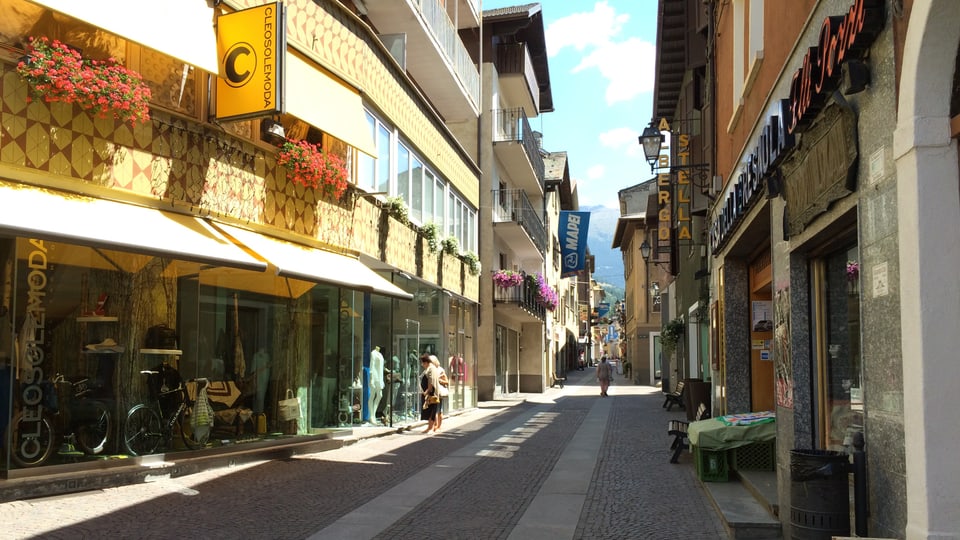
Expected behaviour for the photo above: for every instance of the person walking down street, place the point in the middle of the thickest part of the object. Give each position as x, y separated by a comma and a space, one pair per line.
604, 372
442, 391
429, 381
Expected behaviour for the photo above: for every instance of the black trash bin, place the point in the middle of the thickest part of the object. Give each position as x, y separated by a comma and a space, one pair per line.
697, 393
819, 494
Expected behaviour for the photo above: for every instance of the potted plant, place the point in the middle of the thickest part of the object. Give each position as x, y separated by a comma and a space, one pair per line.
56, 72
670, 335
310, 166
397, 207
451, 246
431, 232
473, 262
507, 278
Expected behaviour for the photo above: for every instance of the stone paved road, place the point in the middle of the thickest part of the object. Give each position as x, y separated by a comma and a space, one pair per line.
565, 464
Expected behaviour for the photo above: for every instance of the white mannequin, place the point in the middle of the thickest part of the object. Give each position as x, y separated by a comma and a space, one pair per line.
376, 382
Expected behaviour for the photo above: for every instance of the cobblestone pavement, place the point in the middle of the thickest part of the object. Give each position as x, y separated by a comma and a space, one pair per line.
564, 464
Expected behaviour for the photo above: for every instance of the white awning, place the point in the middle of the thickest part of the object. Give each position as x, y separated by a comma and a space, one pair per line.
326, 104
182, 29
316, 265
54, 215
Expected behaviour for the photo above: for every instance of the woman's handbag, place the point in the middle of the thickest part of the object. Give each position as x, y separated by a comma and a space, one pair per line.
289, 408
432, 399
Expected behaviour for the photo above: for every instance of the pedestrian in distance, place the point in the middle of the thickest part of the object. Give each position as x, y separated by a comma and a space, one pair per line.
429, 381
442, 391
604, 373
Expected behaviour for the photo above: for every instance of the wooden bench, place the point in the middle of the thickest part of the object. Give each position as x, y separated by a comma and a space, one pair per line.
674, 398
558, 381
678, 429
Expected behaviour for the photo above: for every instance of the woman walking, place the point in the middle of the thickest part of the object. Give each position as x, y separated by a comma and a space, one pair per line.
604, 372
429, 381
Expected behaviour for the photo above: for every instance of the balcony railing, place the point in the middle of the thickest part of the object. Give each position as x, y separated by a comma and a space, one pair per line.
512, 205
514, 59
446, 35
512, 125
523, 296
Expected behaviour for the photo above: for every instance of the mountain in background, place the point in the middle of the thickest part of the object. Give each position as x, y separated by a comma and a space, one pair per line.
608, 268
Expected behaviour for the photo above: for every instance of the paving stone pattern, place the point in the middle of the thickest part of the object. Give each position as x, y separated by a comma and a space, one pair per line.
634, 493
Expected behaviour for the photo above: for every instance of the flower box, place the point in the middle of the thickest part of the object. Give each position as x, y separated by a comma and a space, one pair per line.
507, 278
56, 72
310, 166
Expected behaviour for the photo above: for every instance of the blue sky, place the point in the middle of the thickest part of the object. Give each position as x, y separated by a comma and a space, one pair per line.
601, 57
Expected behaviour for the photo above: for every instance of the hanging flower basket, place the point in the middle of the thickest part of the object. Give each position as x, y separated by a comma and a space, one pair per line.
56, 72
507, 278
546, 295
310, 166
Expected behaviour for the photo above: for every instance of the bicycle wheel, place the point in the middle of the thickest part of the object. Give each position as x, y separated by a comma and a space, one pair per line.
142, 431
32, 441
92, 435
193, 438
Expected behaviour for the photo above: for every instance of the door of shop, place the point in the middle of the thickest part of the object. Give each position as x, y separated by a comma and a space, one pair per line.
761, 334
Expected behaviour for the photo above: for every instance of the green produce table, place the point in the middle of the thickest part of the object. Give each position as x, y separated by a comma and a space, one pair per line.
714, 434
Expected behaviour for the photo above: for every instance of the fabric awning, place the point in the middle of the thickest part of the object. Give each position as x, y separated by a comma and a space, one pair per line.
327, 105
316, 265
54, 215
182, 29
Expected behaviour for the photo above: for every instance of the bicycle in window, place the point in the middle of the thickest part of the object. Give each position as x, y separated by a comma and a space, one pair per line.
164, 415
73, 419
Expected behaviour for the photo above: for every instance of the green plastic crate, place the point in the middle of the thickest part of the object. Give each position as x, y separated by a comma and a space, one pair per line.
761, 456
712, 465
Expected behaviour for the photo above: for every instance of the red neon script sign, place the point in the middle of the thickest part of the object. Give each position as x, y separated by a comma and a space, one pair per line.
841, 38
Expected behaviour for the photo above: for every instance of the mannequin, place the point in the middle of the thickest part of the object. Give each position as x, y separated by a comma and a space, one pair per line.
376, 383
261, 366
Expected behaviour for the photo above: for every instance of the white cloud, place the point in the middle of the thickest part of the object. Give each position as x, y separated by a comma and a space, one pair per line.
586, 29
622, 138
596, 172
627, 64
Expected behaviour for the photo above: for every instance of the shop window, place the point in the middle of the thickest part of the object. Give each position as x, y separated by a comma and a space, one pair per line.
839, 364
94, 329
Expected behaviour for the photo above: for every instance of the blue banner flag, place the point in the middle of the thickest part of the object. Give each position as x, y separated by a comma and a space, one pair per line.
573, 241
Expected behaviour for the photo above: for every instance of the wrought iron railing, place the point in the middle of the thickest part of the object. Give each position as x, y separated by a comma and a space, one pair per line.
524, 295
513, 205
512, 125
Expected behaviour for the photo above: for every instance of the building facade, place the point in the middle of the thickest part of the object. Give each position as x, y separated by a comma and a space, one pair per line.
513, 340
643, 278
154, 264
829, 266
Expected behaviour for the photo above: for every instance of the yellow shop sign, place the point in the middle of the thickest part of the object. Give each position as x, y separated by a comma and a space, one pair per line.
251, 45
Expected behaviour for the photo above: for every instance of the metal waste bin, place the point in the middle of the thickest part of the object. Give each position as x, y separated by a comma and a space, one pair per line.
819, 494
697, 393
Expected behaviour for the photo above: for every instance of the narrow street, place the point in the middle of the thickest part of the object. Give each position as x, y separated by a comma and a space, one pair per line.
564, 464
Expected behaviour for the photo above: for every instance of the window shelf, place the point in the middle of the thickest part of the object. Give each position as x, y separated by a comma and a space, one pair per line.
167, 352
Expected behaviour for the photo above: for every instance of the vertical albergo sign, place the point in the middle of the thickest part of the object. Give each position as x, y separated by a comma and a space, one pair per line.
251, 45
573, 241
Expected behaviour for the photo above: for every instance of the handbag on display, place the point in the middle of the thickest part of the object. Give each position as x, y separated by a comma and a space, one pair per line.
289, 408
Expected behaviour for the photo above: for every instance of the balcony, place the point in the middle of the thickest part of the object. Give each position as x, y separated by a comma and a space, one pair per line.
519, 302
517, 149
518, 224
518, 80
432, 42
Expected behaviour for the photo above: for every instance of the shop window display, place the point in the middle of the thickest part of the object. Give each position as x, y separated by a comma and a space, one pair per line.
90, 334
